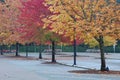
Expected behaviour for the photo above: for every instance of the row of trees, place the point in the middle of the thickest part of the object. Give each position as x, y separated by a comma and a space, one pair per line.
94, 22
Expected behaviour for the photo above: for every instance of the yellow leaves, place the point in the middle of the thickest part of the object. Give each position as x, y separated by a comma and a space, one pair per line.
49, 2
3, 34
91, 18
64, 18
88, 39
56, 7
55, 10
54, 17
47, 22
58, 27
109, 40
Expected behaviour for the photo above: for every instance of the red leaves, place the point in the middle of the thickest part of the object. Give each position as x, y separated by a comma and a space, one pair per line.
32, 13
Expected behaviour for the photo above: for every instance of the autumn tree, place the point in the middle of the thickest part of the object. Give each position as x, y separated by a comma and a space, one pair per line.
29, 19
32, 13
4, 32
93, 19
9, 22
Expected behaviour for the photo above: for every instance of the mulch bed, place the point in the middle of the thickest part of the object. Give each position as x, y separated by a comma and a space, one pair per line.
94, 72
49, 62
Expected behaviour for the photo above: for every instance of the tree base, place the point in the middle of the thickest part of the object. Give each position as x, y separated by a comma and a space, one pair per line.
105, 69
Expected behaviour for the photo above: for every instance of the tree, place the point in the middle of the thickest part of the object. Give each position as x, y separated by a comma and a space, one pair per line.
92, 18
32, 13
29, 19
9, 22
4, 31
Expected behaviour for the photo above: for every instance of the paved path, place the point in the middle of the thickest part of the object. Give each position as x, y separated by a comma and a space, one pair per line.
87, 60
12, 69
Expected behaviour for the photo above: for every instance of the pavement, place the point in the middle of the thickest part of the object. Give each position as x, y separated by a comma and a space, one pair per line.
84, 60
18, 69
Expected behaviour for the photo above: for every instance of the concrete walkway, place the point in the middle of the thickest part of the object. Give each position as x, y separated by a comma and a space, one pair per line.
17, 69
85, 60
10, 71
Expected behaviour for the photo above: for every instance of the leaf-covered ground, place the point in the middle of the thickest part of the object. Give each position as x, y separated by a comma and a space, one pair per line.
95, 72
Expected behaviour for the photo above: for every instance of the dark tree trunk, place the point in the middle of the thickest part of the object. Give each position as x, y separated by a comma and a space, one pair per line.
101, 45
40, 52
75, 52
53, 51
1, 49
26, 46
17, 49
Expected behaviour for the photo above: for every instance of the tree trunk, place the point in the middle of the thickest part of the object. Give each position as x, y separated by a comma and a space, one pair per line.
17, 49
40, 52
75, 52
26, 45
53, 51
1, 49
101, 45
